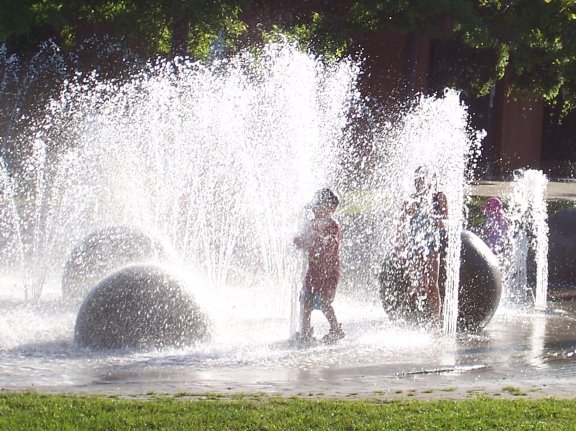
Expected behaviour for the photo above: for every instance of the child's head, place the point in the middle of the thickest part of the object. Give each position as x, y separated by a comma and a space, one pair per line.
325, 202
422, 179
492, 206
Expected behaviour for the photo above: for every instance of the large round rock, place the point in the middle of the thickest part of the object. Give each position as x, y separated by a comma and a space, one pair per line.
104, 251
140, 307
562, 250
479, 290
480, 287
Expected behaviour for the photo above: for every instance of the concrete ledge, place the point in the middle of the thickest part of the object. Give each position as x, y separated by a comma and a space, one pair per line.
564, 190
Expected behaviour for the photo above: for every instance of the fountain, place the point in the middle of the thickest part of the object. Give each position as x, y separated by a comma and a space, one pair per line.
218, 160
526, 262
443, 144
215, 159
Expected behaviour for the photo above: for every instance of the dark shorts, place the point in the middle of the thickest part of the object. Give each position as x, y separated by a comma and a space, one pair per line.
316, 300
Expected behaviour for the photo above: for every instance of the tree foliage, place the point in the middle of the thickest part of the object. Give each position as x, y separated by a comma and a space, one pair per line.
145, 26
532, 42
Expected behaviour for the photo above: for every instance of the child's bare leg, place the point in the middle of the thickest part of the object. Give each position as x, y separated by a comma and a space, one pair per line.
431, 285
336, 333
306, 318
417, 280
331, 316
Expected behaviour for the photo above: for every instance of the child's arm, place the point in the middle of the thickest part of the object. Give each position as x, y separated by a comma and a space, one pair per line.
441, 209
303, 240
332, 245
299, 241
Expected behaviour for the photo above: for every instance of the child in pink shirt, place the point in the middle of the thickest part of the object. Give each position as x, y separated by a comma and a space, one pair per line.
495, 228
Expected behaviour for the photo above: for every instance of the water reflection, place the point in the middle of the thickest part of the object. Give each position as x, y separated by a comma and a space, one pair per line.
535, 356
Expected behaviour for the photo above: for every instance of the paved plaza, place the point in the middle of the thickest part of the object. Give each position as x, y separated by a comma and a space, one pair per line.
557, 190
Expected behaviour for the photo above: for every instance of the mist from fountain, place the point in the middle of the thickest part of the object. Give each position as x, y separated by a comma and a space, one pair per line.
433, 134
219, 159
526, 263
213, 158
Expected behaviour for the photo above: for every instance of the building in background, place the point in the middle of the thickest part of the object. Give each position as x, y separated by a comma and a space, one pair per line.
520, 130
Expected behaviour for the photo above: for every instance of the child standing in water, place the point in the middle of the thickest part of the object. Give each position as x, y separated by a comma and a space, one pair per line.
424, 213
321, 241
495, 227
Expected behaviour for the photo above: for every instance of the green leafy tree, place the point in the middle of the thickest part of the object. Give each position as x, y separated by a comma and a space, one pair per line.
15, 18
146, 26
532, 42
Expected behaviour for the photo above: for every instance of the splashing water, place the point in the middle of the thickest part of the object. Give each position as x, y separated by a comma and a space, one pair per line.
219, 160
527, 260
432, 134
216, 158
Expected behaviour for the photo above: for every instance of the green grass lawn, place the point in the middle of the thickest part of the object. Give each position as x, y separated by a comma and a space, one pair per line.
28, 411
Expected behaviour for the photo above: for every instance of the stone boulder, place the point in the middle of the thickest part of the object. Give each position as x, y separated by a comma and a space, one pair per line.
480, 287
104, 251
140, 307
479, 290
562, 250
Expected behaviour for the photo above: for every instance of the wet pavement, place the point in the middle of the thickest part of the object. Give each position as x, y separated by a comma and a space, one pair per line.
521, 353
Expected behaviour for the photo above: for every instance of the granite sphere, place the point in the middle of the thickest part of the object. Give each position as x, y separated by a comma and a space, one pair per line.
140, 307
562, 250
104, 251
479, 289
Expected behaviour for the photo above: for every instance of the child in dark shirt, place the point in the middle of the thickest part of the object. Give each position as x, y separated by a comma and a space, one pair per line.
425, 213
